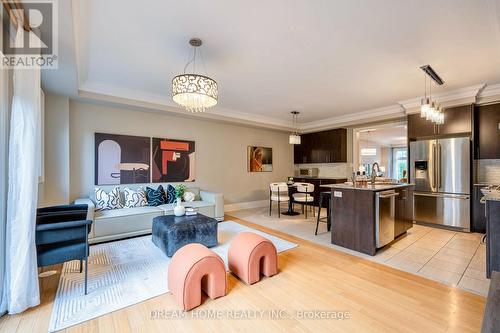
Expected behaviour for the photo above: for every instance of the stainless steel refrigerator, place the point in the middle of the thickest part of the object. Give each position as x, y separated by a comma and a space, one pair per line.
440, 170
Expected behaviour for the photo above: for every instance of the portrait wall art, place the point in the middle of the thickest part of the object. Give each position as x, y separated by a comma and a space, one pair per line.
260, 159
121, 159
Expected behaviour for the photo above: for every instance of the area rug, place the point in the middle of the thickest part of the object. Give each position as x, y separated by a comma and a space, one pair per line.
124, 273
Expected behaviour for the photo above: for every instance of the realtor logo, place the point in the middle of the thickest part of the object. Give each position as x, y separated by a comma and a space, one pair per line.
31, 38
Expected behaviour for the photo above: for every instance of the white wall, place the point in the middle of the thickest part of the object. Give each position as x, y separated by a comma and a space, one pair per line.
56, 188
221, 148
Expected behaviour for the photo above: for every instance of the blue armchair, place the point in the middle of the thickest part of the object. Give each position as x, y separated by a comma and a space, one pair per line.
62, 235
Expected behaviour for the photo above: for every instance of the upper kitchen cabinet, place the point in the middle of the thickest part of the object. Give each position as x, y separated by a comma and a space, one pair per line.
457, 120
419, 127
322, 147
487, 132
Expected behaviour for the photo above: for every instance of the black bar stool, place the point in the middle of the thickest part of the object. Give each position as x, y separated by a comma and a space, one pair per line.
327, 195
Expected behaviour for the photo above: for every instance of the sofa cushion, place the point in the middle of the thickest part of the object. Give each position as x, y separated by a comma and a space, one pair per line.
125, 221
155, 197
135, 198
106, 214
106, 201
170, 194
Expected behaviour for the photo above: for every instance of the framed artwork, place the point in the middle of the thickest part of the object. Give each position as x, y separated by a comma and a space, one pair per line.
121, 159
260, 159
173, 160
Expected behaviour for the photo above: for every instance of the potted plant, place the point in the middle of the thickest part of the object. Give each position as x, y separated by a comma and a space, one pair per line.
179, 210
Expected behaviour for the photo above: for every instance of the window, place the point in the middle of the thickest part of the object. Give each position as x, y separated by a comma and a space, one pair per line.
400, 162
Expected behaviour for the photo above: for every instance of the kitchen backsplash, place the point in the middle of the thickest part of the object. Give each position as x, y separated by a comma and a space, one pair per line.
487, 171
342, 170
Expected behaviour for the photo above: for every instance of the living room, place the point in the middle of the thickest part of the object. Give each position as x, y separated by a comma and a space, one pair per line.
214, 174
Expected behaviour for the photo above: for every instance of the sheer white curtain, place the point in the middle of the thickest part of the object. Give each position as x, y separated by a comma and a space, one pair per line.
4, 130
21, 274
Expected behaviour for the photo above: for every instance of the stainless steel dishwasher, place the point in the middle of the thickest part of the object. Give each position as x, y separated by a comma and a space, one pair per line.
385, 210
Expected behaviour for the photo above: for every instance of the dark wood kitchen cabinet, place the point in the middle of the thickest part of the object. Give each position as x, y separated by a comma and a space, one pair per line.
403, 210
457, 120
492, 237
478, 223
419, 127
487, 132
322, 147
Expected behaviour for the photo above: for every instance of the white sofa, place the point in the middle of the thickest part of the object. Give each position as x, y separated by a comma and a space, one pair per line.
127, 222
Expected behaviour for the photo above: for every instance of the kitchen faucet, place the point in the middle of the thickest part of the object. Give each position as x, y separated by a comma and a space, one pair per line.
374, 174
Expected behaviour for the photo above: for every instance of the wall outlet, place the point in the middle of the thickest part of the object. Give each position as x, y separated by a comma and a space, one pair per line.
337, 194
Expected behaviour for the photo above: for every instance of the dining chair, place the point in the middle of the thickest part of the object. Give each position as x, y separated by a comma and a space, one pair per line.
304, 196
278, 192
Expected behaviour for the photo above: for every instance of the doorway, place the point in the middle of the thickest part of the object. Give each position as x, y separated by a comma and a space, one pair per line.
385, 144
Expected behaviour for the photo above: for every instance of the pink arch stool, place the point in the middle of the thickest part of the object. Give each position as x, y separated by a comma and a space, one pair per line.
251, 254
195, 268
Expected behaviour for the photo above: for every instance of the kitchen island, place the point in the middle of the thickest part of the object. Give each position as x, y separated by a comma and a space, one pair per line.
365, 218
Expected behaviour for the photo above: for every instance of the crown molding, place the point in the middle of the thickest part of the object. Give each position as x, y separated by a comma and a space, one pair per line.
489, 94
373, 115
152, 102
451, 98
480, 94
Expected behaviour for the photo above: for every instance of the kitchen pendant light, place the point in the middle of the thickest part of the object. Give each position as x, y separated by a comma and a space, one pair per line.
194, 92
430, 109
425, 103
294, 138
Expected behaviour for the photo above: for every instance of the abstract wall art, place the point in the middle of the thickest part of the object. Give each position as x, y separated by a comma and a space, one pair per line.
260, 159
173, 160
121, 159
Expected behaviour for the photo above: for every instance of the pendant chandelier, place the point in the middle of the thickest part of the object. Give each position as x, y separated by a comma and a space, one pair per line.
194, 92
430, 109
294, 138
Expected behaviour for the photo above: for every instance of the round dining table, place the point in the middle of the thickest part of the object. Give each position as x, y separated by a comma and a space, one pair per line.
292, 188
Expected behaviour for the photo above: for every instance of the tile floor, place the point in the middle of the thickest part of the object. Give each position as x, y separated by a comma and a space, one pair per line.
453, 258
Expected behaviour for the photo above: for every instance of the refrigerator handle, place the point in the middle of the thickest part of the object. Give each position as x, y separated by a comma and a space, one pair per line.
434, 167
439, 168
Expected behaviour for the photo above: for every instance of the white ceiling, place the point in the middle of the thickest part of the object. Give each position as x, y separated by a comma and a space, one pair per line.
325, 58
393, 135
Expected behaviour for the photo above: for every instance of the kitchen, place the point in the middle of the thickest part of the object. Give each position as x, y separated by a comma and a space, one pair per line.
445, 168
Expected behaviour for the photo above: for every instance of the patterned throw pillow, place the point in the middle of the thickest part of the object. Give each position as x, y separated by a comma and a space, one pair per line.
107, 201
155, 197
135, 198
170, 194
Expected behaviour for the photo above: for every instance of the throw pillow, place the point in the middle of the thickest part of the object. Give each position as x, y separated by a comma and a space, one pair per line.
135, 198
189, 196
107, 201
155, 197
170, 194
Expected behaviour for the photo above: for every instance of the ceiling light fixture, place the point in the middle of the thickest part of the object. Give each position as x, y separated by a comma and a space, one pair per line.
194, 92
294, 138
430, 109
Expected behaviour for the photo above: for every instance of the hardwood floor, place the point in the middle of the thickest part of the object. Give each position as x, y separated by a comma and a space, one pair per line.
377, 298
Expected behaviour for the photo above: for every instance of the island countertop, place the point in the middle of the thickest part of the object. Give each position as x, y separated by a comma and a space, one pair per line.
369, 187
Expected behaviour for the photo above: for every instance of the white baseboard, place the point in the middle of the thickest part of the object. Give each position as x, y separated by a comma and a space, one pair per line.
245, 205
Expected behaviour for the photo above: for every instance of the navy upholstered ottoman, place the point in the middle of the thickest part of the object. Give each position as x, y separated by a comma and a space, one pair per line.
170, 232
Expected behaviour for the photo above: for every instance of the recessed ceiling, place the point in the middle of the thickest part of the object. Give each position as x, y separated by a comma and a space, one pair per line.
324, 58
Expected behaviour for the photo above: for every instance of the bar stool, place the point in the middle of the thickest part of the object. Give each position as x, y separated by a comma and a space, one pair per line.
322, 196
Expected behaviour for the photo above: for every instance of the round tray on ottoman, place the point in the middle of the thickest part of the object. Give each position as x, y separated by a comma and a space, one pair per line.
170, 232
